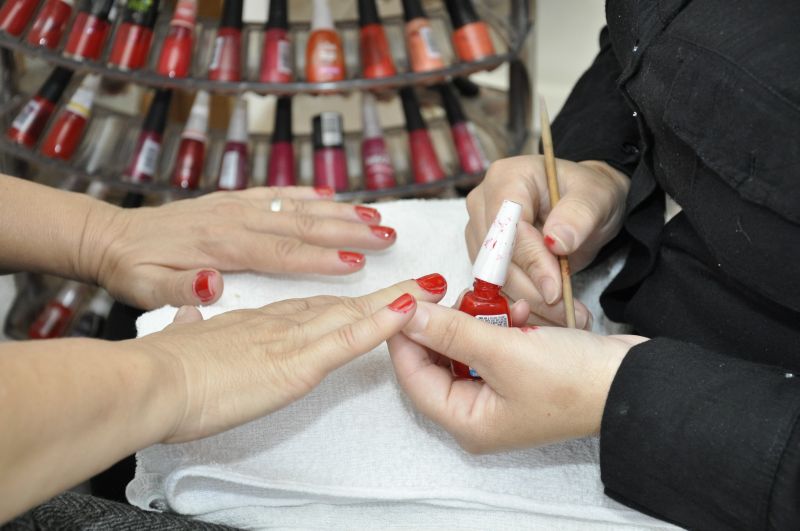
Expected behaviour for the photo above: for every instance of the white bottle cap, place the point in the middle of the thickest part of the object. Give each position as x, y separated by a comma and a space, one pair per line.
237, 127
101, 303
197, 124
371, 125
321, 17
493, 259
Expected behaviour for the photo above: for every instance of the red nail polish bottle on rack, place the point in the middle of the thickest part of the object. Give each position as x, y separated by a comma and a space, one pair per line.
90, 29
54, 318
423, 53
484, 301
471, 38
330, 159
64, 137
191, 156
144, 163
31, 120
470, 152
424, 163
233, 173
276, 57
375, 161
134, 35
226, 60
324, 53
376, 56
175, 60
15, 15
48, 28
280, 168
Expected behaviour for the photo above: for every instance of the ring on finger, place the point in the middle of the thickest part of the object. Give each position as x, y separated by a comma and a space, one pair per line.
276, 204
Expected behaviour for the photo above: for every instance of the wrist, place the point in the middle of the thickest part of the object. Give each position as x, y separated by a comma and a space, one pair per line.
604, 368
102, 226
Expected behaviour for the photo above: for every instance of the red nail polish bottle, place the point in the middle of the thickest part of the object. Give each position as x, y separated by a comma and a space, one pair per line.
144, 163
226, 61
67, 132
50, 23
424, 163
280, 167
470, 152
324, 53
89, 30
31, 120
15, 14
376, 56
134, 35
91, 323
57, 314
233, 173
375, 161
189, 162
330, 160
176, 53
423, 53
471, 38
490, 270
276, 57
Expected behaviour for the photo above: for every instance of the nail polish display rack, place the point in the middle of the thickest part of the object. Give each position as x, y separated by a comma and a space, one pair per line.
502, 117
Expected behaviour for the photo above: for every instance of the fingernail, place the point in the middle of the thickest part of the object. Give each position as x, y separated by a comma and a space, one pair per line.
180, 313
351, 259
560, 239
370, 215
403, 304
549, 290
584, 320
384, 233
433, 283
202, 286
324, 191
528, 329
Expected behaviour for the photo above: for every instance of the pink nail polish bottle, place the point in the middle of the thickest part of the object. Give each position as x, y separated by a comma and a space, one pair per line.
191, 157
144, 163
233, 173
276, 57
424, 163
484, 301
471, 155
280, 168
226, 60
375, 161
330, 160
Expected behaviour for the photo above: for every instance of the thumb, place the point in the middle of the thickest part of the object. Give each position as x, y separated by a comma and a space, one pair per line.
192, 287
187, 314
572, 221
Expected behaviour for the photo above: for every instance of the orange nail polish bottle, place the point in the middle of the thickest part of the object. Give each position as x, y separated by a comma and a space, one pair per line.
423, 54
324, 53
471, 38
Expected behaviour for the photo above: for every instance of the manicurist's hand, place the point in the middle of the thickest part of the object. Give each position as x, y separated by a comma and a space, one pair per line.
541, 385
588, 215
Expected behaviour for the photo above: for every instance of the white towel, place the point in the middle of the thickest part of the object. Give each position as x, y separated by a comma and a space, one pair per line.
354, 454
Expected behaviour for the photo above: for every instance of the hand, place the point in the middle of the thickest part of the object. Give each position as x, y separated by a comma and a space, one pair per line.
541, 385
587, 217
244, 364
173, 254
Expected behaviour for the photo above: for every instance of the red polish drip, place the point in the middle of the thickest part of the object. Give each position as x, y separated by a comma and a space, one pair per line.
276, 57
54, 319
330, 160
424, 163
527, 329
190, 161
67, 132
403, 304
89, 30
375, 161
433, 283
48, 28
233, 173
31, 120
175, 60
15, 14
280, 166
144, 164
471, 155
549, 241
226, 61
376, 56
135, 34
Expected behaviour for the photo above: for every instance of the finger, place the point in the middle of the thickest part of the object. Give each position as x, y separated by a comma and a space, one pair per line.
325, 209
575, 218
321, 231
519, 286
539, 264
519, 312
512, 179
263, 194
157, 286
187, 314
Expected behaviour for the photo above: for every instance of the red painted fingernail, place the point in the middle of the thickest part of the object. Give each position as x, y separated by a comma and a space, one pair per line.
370, 215
202, 286
527, 329
385, 233
324, 191
352, 259
433, 283
403, 304
550, 241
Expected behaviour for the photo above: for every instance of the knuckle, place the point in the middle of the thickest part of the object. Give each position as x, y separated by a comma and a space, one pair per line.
356, 307
452, 329
306, 225
286, 250
346, 338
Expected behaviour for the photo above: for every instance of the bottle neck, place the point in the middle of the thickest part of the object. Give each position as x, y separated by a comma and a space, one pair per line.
485, 290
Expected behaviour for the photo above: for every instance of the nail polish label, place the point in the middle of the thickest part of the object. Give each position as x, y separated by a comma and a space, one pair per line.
148, 158
497, 320
284, 57
228, 175
216, 55
478, 145
331, 129
26, 116
81, 102
426, 34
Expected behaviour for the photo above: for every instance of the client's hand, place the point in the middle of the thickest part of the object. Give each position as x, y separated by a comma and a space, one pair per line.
173, 254
587, 217
540, 385
243, 364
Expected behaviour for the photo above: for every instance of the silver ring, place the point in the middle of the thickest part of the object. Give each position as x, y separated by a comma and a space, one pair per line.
275, 205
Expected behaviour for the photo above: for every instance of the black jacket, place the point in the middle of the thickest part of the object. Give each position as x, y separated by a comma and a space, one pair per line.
701, 99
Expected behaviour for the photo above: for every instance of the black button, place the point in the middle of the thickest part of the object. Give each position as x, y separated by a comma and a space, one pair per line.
630, 149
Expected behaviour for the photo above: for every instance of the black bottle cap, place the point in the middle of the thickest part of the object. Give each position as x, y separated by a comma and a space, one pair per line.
141, 13
411, 110
54, 86
283, 121
132, 200
462, 12
452, 107
368, 13
466, 87
98, 8
231, 14
328, 130
413, 9
156, 118
278, 15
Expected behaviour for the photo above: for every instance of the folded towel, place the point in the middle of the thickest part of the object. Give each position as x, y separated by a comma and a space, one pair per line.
354, 454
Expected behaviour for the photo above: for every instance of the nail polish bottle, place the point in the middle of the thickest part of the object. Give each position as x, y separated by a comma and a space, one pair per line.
92, 322
424, 163
276, 57
423, 54
471, 39
54, 318
64, 137
89, 30
31, 120
330, 159
48, 28
226, 61
324, 53
233, 173
375, 161
176, 52
280, 168
134, 35
376, 56
15, 15
144, 163
484, 301
191, 156
470, 152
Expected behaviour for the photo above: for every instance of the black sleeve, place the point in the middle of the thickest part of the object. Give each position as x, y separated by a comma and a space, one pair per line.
596, 122
703, 440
